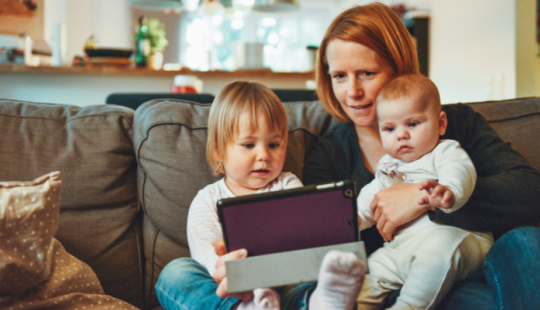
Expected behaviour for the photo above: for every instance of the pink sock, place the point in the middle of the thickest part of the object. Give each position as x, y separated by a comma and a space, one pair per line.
340, 280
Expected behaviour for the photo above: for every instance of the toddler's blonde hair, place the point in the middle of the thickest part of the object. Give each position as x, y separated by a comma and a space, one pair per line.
234, 100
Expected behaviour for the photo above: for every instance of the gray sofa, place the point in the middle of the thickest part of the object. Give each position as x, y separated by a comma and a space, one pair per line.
128, 177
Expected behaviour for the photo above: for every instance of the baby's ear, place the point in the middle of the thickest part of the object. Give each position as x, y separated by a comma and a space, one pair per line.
443, 122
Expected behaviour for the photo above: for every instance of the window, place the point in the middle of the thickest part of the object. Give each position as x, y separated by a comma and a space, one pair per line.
230, 40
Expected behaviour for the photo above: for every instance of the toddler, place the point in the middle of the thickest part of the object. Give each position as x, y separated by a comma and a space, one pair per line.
425, 258
247, 141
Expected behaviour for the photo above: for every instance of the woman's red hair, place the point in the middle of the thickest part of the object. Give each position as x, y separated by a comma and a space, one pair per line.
375, 26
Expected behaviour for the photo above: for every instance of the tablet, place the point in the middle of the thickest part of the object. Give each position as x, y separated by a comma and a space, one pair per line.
289, 220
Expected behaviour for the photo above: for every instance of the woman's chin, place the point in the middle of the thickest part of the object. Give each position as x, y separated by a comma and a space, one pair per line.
366, 121
362, 117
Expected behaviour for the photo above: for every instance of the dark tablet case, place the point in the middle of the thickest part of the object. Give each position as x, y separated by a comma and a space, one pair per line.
296, 219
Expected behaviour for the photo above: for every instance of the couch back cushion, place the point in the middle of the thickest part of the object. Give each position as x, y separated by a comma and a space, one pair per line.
170, 144
92, 147
517, 121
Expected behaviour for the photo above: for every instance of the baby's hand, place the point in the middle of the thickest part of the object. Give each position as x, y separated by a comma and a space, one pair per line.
438, 196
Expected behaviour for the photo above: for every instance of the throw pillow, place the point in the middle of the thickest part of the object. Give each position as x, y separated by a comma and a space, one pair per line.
35, 270
28, 221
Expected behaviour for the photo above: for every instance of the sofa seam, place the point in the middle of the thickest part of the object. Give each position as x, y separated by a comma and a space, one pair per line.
141, 266
511, 118
128, 120
492, 101
152, 264
156, 124
137, 156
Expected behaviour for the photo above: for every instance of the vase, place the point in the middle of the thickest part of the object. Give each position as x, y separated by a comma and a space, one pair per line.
155, 61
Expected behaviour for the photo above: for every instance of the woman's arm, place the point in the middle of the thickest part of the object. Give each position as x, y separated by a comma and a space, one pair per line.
507, 192
338, 157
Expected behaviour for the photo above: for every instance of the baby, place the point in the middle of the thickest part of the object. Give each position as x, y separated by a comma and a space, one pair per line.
425, 258
247, 141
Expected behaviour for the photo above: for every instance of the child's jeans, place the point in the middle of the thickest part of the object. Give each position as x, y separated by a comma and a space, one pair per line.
185, 284
511, 270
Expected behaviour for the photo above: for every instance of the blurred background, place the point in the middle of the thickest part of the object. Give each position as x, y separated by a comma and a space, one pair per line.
473, 50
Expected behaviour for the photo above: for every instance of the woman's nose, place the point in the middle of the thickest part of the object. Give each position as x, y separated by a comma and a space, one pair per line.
354, 89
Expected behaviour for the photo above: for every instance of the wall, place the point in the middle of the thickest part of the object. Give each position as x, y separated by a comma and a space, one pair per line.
526, 48
108, 20
16, 24
335, 7
482, 49
89, 89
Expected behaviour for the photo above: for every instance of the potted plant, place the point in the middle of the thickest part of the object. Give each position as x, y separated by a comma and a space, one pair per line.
154, 34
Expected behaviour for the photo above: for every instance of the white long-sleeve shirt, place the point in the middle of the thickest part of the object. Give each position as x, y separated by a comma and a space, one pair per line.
448, 164
203, 224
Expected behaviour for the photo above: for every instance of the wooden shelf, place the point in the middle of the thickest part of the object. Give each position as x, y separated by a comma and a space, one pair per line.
112, 70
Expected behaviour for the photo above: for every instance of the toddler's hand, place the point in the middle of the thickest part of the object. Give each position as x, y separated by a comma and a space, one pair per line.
219, 247
220, 275
438, 196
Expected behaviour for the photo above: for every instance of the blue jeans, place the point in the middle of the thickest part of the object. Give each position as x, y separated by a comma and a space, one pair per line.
512, 272
185, 284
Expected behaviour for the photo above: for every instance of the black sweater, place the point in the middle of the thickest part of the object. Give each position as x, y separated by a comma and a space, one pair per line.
507, 192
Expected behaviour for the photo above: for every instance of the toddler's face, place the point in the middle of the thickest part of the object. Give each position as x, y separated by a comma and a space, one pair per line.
254, 159
410, 128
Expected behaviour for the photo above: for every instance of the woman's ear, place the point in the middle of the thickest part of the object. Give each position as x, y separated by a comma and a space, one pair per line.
443, 122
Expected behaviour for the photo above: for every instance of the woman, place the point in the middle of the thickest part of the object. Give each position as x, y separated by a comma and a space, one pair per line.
363, 49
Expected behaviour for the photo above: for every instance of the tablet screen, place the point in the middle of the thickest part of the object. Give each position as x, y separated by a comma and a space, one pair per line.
289, 220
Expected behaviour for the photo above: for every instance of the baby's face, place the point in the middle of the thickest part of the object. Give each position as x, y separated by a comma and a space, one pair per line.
409, 127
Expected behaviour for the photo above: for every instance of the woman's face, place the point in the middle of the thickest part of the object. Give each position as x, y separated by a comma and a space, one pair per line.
357, 73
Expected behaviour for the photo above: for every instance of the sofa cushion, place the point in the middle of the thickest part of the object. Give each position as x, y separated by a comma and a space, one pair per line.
516, 121
93, 149
170, 144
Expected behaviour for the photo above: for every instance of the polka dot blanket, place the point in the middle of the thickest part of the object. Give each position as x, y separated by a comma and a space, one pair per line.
36, 272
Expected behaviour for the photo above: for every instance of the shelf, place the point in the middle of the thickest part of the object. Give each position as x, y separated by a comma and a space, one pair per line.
112, 70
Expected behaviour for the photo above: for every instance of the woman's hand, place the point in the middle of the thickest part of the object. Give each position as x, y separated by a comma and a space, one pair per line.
395, 206
220, 275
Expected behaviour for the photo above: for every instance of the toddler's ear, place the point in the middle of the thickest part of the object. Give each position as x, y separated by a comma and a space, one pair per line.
443, 122
218, 160
216, 157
